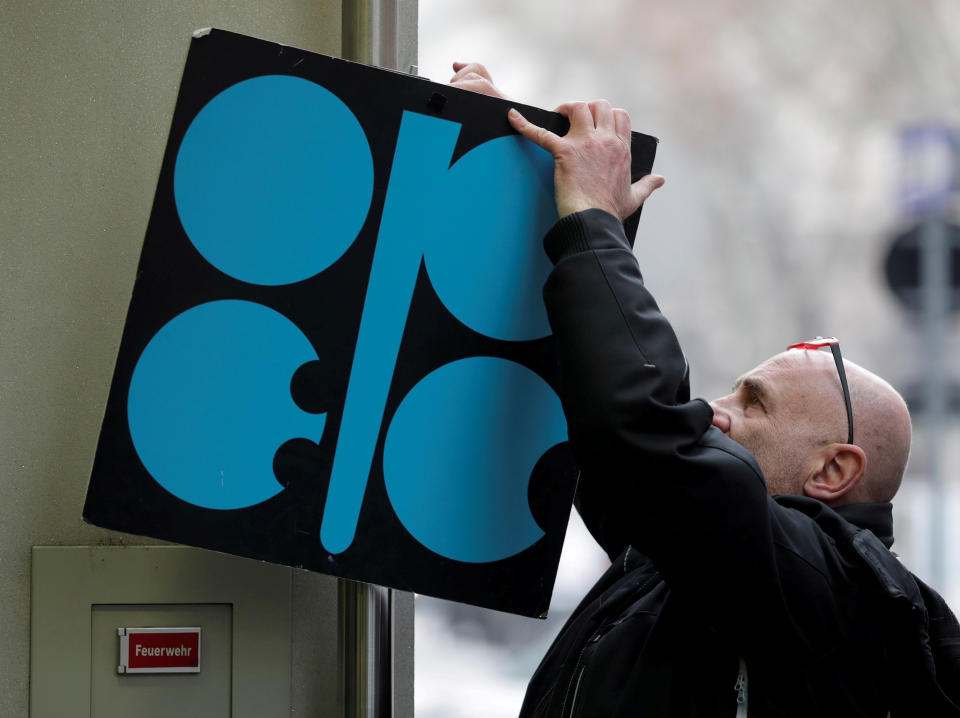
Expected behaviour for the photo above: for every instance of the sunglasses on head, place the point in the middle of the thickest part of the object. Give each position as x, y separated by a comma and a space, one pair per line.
820, 343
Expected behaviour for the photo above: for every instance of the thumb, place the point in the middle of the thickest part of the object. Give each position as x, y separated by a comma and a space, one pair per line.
643, 188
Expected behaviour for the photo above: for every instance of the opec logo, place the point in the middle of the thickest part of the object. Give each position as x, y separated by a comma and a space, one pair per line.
273, 181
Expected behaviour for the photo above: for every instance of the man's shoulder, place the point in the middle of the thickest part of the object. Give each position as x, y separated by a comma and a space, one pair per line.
826, 541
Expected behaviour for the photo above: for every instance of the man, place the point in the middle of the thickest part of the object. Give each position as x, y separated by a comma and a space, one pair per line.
749, 536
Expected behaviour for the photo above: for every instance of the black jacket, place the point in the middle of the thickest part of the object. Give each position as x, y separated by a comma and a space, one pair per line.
712, 580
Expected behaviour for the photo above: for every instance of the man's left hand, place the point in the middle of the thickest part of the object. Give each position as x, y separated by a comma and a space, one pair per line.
592, 161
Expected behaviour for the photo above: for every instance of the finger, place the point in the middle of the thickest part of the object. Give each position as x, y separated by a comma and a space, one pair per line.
462, 78
475, 83
567, 107
465, 68
458, 70
621, 119
459, 67
602, 115
643, 188
471, 83
538, 135
579, 115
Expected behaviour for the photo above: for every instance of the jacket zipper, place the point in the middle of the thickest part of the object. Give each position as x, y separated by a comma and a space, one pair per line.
741, 688
575, 678
580, 668
576, 690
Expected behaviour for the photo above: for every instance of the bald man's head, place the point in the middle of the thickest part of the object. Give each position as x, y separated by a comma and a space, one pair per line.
883, 431
789, 412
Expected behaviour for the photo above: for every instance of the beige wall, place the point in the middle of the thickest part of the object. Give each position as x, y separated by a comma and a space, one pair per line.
87, 90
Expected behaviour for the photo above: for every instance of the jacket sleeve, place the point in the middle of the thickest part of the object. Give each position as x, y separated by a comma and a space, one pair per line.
656, 474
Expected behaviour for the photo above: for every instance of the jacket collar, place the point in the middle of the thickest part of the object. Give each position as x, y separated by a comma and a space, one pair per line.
877, 517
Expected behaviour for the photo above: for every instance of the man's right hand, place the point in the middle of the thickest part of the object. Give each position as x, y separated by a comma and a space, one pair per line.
474, 76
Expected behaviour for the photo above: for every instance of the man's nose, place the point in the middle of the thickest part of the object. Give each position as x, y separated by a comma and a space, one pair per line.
721, 417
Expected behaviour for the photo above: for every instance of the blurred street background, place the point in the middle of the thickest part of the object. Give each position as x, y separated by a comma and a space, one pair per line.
799, 139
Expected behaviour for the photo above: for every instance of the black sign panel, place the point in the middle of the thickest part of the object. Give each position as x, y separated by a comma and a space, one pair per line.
904, 262
336, 355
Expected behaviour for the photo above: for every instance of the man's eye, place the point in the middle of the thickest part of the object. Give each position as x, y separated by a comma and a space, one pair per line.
754, 400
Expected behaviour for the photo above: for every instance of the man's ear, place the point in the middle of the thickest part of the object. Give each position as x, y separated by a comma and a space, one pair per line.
840, 470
